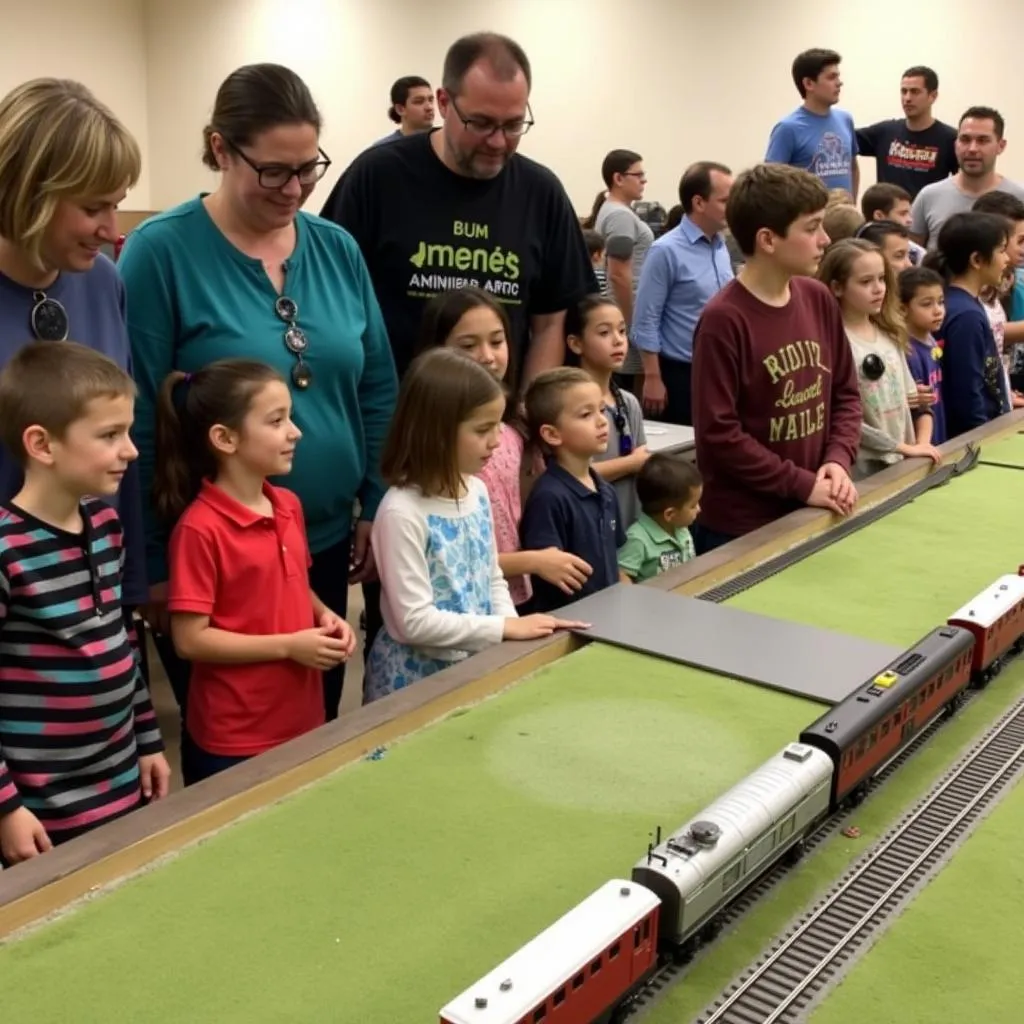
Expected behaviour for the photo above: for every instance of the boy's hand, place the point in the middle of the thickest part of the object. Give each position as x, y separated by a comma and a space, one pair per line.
337, 627
154, 776
22, 836
840, 487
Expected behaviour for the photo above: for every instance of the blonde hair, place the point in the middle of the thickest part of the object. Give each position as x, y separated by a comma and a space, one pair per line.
57, 141
842, 221
836, 269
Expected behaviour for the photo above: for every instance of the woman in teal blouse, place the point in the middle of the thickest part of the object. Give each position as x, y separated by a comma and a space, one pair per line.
243, 271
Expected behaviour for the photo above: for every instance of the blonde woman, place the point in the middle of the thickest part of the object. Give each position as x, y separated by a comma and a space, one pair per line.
66, 162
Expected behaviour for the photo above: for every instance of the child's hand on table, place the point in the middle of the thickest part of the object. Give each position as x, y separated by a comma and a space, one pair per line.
532, 627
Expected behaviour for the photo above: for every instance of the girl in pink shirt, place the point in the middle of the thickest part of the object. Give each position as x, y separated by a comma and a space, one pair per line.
473, 321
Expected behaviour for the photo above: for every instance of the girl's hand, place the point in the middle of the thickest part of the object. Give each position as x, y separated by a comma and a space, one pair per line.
337, 627
155, 776
640, 456
563, 569
923, 398
921, 451
531, 627
316, 648
22, 836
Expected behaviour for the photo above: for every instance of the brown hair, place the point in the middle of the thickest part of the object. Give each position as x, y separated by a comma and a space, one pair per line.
839, 197
545, 397
696, 181
810, 64
49, 384
881, 198
441, 316
666, 480
254, 99
618, 161
842, 221
836, 268
57, 141
504, 55
440, 391
188, 407
771, 196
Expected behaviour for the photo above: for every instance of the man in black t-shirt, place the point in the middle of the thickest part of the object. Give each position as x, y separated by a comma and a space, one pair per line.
916, 150
459, 206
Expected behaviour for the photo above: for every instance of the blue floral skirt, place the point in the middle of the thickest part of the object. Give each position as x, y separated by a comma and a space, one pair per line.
393, 666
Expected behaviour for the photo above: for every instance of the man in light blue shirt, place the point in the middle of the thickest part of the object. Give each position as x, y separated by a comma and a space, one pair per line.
683, 270
816, 137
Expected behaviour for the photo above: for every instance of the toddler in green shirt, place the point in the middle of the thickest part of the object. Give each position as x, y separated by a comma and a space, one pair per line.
669, 488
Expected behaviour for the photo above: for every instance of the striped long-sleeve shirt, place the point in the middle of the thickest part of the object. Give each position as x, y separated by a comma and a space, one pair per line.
75, 714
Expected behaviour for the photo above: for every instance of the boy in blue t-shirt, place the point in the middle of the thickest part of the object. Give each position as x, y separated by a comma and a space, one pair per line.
817, 137
924, 307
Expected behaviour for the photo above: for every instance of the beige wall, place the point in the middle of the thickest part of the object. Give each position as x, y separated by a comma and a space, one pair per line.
99, 42
677, 80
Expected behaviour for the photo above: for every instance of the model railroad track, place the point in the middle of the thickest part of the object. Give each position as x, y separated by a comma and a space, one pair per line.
779, 563
670, 973
824, 942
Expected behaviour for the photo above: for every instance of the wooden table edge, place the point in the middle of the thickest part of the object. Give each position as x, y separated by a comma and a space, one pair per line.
41, 888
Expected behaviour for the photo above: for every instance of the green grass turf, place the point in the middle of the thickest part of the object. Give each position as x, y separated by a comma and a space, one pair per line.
893, 581
378, 894
955, 953
733, 950
1009, 451
900, 577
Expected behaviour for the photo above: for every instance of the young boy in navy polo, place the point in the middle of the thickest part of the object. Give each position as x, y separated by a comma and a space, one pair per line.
570, 507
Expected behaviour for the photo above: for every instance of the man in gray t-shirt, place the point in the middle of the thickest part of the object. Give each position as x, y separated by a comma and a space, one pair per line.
978, 145
626, 237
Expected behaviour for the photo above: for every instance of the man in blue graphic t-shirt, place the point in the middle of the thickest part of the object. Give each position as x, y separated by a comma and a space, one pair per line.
816, 137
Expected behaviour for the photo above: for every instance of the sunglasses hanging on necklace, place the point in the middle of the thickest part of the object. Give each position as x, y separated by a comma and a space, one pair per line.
295, 340
48, 318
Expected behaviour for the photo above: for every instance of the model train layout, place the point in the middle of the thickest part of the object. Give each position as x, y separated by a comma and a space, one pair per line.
586, 967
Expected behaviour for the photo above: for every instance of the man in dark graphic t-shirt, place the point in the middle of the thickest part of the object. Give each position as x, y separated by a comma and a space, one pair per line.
459, 206
916, 150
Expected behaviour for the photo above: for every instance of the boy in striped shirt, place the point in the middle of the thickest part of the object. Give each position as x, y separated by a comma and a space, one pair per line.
79, 742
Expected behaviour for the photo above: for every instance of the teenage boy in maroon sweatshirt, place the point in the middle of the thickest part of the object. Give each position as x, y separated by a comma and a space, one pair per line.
776, 406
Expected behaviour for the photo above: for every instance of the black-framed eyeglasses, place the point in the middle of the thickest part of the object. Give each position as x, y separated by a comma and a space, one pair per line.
484, 127
295, 340
277, 176
48, 319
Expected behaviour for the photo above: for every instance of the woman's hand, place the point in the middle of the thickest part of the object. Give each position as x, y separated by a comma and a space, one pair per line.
361, 567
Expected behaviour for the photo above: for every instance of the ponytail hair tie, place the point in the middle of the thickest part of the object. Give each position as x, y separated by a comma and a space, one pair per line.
188, 379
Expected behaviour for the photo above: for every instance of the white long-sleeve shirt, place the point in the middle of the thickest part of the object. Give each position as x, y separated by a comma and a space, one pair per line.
443, 592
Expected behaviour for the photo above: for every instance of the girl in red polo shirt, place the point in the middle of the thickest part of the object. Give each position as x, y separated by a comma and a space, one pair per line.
242, 611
